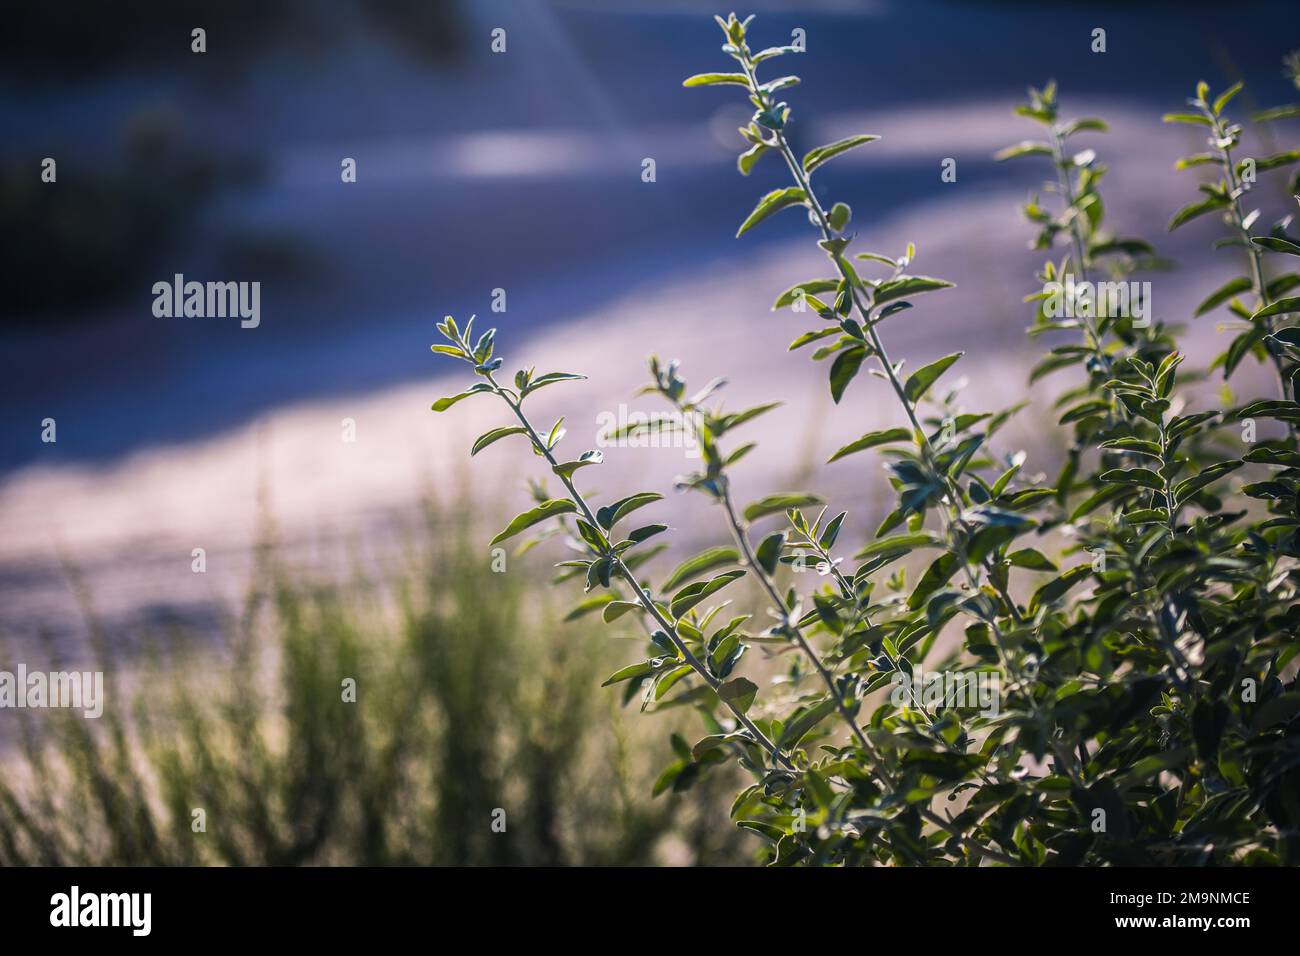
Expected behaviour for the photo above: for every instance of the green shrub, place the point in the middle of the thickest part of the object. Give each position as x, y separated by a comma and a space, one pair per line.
1144, 709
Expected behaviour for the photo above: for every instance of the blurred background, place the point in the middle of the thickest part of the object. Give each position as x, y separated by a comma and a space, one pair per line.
476, 171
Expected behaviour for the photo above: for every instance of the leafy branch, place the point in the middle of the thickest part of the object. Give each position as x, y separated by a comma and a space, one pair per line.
596, 532
1227, 196
931, 478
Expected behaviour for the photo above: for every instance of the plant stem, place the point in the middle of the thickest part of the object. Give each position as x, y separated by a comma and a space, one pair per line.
1076, 238
887, 367
792, 630
624, 572
1158, 617
846, 589
1253, 253
787, 625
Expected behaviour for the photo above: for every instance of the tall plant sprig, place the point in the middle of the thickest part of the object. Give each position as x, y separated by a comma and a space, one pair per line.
1262, 336
1121, 409
975, 533
595, 526
763, 560
1109, 337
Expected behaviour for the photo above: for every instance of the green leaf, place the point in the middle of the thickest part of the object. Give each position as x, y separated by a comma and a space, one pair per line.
844, 369
1280, 307
1031, 560
1271, 408
738, 454
1099, 498
772, 51
1090, 123
442, 404
704, 561
1199, 159
1241, 347
693, 594
871, 440
773, 202
634, 561
823, 154
772, 832
1148, 767
483, 347
798, 726
1289, 111
1193, 118
614, 512
746, 160
919, 539
556, 433
877, 257
665, 683
1057, 587
920, 381
839, 216
455, 350
906, 286
1027, 496
769, 551
1147, 516
496, 434
1280, 709
936, 576
1276, 160
1226, 97
773, 504
550, 378
1185, 489
716, 79
567, 468
1089, 409
1193, 210
811, 287
739, 692
632, 671
726, 423
1024, 148
586, 606
547, 509
649, 531
831, 532
1186, 424
813, 336
1134, 476
1273, 456
1224, 293
616, 609
1138, 446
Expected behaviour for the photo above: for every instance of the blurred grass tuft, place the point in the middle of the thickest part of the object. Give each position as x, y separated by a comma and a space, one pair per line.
469, 698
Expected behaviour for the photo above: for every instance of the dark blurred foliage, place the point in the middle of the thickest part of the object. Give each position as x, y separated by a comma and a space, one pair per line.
97, 234
70, 39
